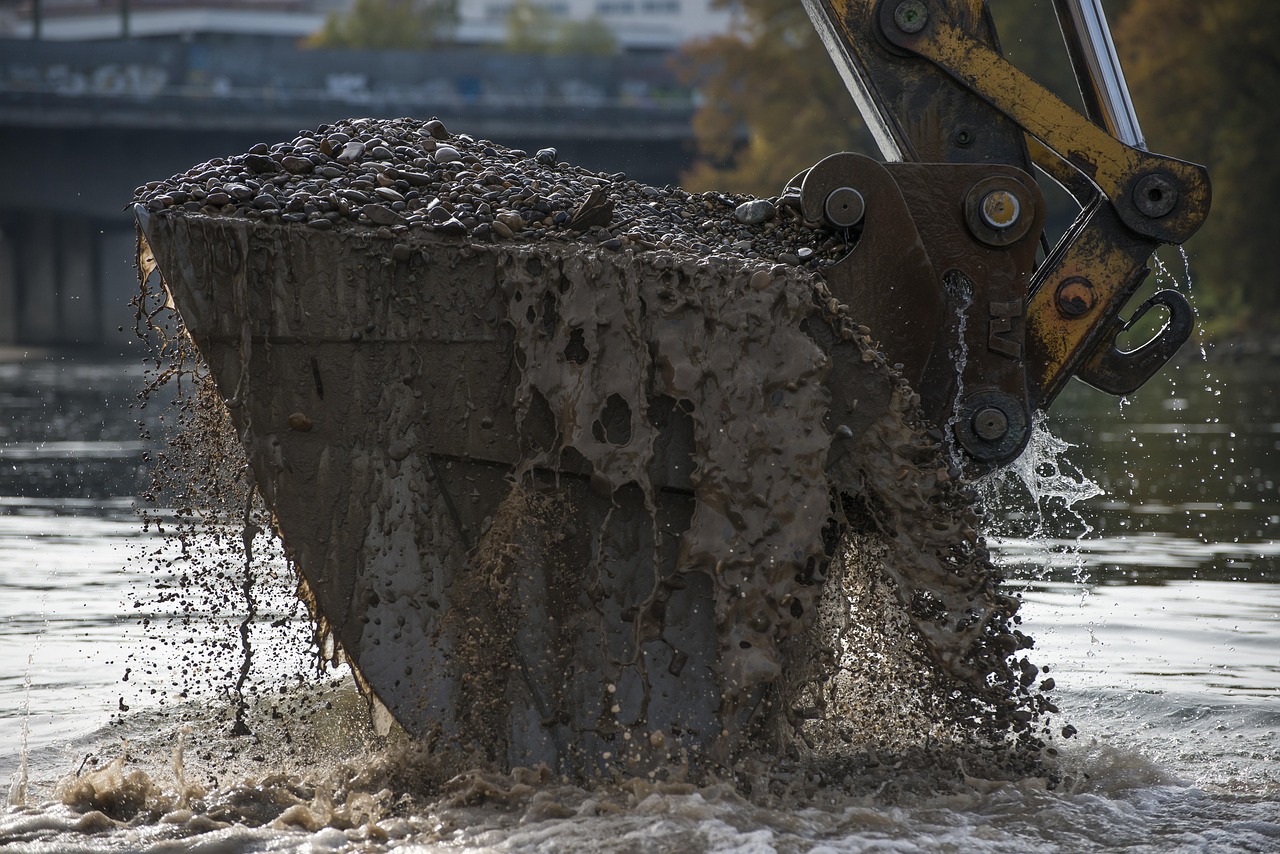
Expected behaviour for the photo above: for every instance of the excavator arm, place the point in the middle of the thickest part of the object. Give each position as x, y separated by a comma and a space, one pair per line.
953, 217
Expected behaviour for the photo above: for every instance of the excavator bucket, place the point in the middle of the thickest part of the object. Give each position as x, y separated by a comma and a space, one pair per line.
573, 470
568, 496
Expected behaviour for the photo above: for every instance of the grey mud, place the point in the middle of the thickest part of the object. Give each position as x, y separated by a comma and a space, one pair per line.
597, 499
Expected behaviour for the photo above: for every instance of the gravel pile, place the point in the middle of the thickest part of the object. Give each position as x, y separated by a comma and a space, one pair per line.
410, 176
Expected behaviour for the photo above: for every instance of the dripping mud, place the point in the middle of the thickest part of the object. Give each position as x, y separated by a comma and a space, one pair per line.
590, 524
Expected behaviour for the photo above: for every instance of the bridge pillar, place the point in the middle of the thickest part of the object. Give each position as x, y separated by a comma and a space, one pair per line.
77, 292
37, 271
65, 280
118, 282
8, 288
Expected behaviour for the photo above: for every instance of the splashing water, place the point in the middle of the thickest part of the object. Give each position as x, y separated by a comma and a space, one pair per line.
1043, 479
18, 789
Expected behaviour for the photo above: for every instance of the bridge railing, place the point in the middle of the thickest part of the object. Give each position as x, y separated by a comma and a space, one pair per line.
132, 84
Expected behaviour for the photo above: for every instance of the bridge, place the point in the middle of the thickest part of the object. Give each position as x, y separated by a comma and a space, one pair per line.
82, 124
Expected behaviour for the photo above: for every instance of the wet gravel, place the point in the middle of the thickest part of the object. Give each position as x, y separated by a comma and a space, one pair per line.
406, 176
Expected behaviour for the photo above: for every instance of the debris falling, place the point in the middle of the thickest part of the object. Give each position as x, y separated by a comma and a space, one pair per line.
580, 472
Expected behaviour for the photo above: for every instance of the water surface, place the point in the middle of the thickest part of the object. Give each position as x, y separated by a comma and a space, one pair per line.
1160, 625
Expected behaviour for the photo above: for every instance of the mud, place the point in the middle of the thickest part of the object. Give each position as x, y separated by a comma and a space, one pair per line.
612, 510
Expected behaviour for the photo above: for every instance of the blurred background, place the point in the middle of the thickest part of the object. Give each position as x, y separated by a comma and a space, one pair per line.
99, 96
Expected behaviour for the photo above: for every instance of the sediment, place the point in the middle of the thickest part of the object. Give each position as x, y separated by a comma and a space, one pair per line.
579, 472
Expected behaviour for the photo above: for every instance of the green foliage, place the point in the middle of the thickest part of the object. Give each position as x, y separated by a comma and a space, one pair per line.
388, 25
532, 29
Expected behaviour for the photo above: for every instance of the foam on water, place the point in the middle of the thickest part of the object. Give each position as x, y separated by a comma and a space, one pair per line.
371, 795
18, 788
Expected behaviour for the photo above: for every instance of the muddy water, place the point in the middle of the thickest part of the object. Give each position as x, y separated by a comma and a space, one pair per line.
1160, 630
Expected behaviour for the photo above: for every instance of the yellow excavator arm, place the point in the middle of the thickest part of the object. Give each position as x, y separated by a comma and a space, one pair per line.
987, 334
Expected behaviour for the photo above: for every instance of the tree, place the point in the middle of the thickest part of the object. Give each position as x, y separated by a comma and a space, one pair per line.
774, 103
531, 28
1204, 78
1203, 75
388, 25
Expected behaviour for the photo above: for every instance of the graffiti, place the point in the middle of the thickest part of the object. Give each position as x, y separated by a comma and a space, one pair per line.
486, 86
112, 80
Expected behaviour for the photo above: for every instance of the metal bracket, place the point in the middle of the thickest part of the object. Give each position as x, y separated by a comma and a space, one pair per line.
1118, 372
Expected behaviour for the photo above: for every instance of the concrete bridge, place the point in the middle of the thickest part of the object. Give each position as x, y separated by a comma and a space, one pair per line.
82, 124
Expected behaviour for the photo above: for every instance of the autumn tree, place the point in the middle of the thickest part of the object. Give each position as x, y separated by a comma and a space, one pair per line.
774, 103
1203, 77
388, 25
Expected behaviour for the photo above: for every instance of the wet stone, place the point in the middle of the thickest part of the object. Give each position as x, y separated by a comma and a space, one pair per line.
381, 215
452, 227
755, 212
447, 154
351, 152
261, 164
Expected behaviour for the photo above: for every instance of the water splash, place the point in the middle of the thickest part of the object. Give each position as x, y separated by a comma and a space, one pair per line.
18, 788
1046, 482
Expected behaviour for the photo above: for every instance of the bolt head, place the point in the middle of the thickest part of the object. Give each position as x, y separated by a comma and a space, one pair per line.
1000, 209
990, 424
1075, 297
844, 207
1155, 195
911, 16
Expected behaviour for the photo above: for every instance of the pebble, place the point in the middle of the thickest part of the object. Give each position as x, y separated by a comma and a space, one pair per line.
261, 164
351, 152
400, 176
296, 165
381, 215
755, 212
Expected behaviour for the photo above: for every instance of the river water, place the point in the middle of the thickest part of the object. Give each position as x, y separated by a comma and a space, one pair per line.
1155, 606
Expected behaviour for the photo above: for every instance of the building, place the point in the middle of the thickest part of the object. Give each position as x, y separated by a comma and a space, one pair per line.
637, 24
